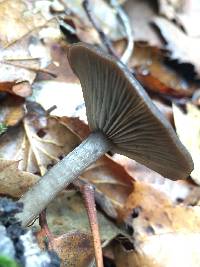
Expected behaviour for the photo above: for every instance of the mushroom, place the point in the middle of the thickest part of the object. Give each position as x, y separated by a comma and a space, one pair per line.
123, 120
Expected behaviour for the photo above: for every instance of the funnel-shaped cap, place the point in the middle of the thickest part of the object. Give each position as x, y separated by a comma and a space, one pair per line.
117, 105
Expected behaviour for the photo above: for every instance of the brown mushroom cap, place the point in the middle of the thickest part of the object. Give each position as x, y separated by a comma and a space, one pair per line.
117, 105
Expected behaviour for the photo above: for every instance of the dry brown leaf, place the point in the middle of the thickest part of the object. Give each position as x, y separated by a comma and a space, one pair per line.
186, 13
19, 64
169, 8
151, 70
26, 50
67, 213
11, 110
140, 13
183, 48
56, 141
40, 144
162, 251
22, 89
59, 66
189, 17
16, 20
81, 30
74, 249
67, 218
164, 235
46, 140
176, 191
14, 182
50, 93
188, 129
110, 25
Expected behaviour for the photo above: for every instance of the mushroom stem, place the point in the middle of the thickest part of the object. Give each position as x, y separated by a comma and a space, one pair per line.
62, 174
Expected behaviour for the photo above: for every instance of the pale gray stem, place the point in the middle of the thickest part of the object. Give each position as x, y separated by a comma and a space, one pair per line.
63, 173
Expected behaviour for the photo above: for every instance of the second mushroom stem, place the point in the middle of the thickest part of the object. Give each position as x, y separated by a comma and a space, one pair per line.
87, 191
62, 174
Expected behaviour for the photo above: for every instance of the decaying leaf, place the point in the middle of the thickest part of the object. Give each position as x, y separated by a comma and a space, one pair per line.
12, 110
152, 71
14, 182
186, 13
44, 140
110, 26
19, 65
189, 18
183, 48
164, 235
177, 191
188, 129
67, 213
68, 221
74, 249
20, 88
24, 51
17, 15
140, 13
59, 66
38, 143
50, 93
170, 8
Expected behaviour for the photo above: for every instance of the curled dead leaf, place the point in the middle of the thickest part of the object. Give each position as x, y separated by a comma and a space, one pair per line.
14, 182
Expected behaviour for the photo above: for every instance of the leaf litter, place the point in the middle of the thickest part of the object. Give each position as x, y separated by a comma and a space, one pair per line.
150, 225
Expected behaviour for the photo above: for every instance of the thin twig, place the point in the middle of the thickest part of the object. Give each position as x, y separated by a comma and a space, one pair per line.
105, 40
128, 30
29, 68
49, 110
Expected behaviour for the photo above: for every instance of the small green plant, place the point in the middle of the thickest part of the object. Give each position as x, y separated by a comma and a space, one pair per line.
3, 128
6, 262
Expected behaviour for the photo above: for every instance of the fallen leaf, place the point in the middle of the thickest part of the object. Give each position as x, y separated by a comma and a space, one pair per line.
25, 51
67, 213
163, 235
110, 26
149, 64
17, 15
188, 129
19, 66
11, 110
50, 93
39, 143
74, 249
166, 250
169, 8
183, 48
22, 89
186, 13
188, 17
177, 191
140, 14
13, 181
59, 66
68, 222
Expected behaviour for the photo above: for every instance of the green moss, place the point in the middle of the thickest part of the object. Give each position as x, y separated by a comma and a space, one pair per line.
6, 262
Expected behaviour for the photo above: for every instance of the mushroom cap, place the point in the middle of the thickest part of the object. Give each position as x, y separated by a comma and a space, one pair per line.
117, 105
